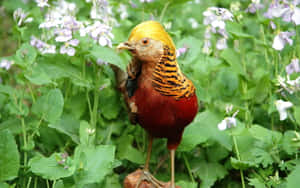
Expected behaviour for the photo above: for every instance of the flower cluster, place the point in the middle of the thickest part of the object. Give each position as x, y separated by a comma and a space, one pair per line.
43, 47
214, 20
254, 6
286, 10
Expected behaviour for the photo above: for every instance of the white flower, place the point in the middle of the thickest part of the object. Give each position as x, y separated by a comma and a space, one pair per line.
206, 48
6, 64
228, 122
281, 39
42, 3
221, 44
123, 11
146, 1
282, 107
193, 23
43, 47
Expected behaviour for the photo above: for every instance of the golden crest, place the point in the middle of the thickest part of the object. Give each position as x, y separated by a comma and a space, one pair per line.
153, 30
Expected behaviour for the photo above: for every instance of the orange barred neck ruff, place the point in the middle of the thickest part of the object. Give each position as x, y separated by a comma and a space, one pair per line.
167, 77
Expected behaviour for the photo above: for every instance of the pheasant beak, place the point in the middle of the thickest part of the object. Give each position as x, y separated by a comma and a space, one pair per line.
125, 46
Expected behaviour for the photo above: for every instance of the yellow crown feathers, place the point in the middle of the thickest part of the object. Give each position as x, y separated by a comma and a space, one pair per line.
153, 30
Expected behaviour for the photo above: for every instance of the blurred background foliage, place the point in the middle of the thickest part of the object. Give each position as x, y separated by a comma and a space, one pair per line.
63, 123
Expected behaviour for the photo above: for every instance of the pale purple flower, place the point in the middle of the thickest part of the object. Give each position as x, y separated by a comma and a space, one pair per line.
282, 107
67, 47
228, 122
193, 23
221, 44
287, 10
254, 6
146, 1
101, 62
20, 17
273, 25
63, 35
6, 64
181, 51
293, 67
282, 39
101, 10
42, 3
207, 47
99, 32
216, 17
122, 10
43, 47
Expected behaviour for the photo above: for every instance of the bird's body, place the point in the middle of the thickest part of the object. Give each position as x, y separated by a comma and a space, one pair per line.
164, 106
159, 96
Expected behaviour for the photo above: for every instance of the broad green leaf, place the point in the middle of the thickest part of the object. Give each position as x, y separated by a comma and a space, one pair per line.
127, 151
209, 173
293, 179
109, 102
13, 125
234, 60
52, 167
94, 163
290, 142
108, 55
193, 48
49, 106
204, 127
9, 156
227, 82
112, 182
26, 55
38, 77
67, 125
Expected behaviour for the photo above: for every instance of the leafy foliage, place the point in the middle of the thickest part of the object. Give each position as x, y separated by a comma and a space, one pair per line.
63, 122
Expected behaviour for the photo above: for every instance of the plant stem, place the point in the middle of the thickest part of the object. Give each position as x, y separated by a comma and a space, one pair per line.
29, 182
163, 11
188, 168
239, 158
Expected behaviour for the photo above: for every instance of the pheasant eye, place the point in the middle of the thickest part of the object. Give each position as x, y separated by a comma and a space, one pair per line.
145, 41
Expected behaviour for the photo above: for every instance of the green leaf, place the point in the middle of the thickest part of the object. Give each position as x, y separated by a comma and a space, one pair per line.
209, 173
290, 142
94, 163
52, 167
49, 106
38, 77
112, 182
227, 82
192, 44
126, 151
108, 55
9, 156
25, 55
293, 179
237, 164
234, 60
256, 183
109, 103
186, 184
204, 127
297, 114
67, 125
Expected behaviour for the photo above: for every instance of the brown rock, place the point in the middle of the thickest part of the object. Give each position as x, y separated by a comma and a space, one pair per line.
132, 180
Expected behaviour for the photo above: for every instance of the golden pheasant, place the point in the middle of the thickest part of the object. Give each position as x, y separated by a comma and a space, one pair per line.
159, 97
